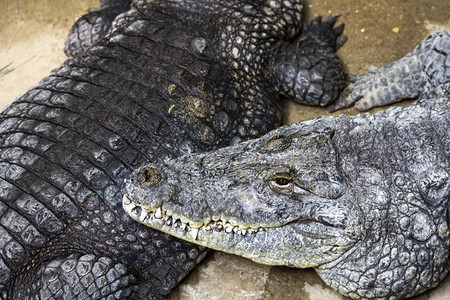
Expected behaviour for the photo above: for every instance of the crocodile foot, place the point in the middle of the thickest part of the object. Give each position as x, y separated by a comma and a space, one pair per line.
306, 75
325, 32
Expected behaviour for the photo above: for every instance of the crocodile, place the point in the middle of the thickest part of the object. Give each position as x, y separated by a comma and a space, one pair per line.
163, 79
362, 199
93, 26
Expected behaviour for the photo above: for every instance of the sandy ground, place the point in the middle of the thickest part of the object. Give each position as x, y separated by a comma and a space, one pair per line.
32, 35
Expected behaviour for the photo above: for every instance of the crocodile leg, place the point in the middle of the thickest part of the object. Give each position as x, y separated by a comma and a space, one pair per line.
93, 26
408, 77
306, 75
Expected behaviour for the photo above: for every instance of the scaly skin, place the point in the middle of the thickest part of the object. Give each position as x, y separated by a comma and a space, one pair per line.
362, 199
93, 26
168, 78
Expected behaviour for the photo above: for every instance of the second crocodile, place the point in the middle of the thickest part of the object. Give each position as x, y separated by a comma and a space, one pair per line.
362, 199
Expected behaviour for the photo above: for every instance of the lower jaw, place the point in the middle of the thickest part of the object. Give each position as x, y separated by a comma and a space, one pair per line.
241, 244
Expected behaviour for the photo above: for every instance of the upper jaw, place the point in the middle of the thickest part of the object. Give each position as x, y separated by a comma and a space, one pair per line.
142, 204
238, 209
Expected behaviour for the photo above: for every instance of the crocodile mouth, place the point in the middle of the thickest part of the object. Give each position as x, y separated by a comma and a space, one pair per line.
300, 242
168, 222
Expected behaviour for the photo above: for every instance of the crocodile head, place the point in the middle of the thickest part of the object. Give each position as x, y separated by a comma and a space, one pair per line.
279, 200
310, 194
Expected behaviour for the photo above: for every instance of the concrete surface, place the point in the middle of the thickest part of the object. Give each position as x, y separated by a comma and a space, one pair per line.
32, 35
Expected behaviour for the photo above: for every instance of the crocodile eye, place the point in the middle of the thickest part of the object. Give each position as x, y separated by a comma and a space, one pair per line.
283, 181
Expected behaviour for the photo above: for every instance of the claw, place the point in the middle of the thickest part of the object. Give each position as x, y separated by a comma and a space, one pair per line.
316, 20
340, 41
324, 31
347, 99
339, 29
331, 20
334, 108
338, 105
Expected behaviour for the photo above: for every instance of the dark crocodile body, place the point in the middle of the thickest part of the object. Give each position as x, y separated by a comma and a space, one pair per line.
170, 78
93, 26
363, 199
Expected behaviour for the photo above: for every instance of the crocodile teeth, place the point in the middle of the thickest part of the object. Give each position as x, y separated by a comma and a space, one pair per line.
194, 233
125, 200
143, 215
228, 228
129, 207
158, 213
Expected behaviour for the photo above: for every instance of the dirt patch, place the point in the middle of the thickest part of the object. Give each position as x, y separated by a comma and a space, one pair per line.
32, 36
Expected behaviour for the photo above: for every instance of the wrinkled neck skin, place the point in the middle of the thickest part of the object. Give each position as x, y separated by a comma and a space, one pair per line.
397, 165
362, 199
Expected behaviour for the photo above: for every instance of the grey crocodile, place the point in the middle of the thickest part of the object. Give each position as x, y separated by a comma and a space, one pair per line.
165, 78
362, 199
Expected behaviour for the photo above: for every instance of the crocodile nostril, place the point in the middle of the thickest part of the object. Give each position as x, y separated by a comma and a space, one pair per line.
148, 177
